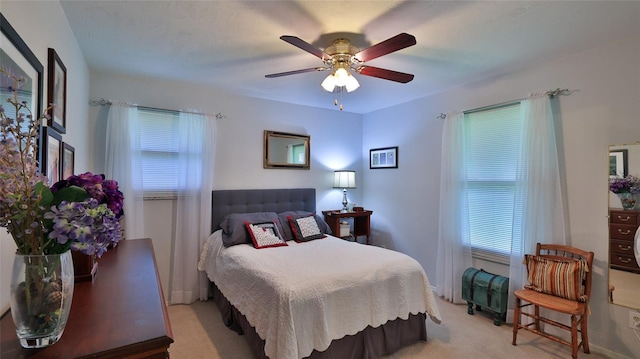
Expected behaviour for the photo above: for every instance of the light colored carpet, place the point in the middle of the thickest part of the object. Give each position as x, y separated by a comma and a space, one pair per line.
198, 332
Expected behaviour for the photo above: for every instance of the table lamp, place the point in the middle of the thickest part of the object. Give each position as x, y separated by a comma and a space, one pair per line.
344, 180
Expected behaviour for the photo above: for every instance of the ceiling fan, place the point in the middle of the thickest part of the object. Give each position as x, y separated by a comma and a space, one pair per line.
341, 56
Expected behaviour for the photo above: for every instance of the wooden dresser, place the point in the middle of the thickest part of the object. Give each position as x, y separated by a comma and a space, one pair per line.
120, 314
623, 225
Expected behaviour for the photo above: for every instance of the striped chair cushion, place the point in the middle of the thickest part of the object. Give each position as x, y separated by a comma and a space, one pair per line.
555, 277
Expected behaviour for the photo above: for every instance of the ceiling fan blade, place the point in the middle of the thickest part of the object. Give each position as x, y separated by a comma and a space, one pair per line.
280, 74
385, 74
388, 46
298, 42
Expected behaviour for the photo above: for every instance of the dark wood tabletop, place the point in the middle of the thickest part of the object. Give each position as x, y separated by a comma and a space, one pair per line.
120, 314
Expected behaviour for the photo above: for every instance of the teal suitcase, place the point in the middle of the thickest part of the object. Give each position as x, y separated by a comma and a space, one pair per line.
486, 290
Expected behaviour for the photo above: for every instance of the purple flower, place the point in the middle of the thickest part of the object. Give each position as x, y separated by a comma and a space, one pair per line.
628, 184
97, 187
90, 226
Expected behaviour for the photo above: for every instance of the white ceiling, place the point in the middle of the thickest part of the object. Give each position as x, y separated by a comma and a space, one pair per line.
231, 45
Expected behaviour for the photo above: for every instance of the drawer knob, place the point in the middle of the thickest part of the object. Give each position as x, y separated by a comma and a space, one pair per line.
625, 219
625, 232
624, 260
624, 248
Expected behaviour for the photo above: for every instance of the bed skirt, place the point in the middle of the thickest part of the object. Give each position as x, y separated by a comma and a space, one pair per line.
370, 343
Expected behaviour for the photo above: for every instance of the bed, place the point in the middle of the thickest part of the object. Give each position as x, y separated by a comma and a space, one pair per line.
324, 298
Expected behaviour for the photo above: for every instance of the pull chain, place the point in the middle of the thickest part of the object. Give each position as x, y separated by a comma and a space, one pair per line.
335, 101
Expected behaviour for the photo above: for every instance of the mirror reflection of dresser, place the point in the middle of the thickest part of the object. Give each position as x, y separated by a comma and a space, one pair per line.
624, 232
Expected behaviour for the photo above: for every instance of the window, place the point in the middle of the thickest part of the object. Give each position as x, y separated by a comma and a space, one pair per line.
491, 155
159, 151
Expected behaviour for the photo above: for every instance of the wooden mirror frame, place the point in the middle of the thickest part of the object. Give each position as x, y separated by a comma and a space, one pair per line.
623, 289
276, 143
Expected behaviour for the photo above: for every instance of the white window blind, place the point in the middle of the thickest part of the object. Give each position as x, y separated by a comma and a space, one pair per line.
491, 154
159, 151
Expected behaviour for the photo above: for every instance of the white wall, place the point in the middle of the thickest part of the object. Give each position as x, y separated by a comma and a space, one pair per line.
602, 111
336, 140
43, 24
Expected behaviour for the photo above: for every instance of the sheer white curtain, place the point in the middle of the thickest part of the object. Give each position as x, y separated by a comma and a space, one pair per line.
193, 214
454, 249
539, 201
538, 190
122, 163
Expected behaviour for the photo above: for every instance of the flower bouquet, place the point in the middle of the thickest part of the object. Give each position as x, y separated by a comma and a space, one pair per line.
80, 213
627, 189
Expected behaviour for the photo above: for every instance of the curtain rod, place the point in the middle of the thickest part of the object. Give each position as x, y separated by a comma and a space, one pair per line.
550, 93
103, 102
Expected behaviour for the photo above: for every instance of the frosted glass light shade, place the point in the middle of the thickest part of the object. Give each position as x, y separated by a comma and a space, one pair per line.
329, 83
351, 83
341, 76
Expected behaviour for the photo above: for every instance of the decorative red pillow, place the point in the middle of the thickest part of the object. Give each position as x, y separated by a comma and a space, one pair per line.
234, 230
305, 229
560, 278
265, 235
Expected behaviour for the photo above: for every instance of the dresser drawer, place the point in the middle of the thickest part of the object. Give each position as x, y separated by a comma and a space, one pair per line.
622, 231
624, 262
621, 247
624, 217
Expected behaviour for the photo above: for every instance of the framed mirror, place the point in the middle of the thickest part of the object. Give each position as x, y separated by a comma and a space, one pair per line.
286, 150
624, 225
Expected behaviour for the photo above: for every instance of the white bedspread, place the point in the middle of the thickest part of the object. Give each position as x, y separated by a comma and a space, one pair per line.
303, 296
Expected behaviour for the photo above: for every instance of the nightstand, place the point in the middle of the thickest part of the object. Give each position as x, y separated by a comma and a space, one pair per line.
361, 222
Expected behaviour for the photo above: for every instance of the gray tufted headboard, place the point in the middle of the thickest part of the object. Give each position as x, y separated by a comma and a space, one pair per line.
224, 202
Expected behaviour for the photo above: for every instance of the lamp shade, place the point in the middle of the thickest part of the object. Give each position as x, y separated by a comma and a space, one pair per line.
351, 83
329, 83
344, 179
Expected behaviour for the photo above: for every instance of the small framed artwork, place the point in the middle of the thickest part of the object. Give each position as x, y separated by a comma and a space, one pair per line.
68, 158
57, 92
618, 163
383, 157
52, 147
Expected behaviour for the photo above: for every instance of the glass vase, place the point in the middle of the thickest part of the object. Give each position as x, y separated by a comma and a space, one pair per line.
41, 294
628, 200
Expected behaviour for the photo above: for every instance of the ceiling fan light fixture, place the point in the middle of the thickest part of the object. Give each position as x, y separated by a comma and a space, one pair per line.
351, 83
341, 57
341, 76
329, 83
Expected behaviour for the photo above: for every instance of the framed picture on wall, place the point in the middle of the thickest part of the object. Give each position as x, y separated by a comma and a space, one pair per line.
68, 159
52, 143
383, 157
57, 92
618, 163
17, 59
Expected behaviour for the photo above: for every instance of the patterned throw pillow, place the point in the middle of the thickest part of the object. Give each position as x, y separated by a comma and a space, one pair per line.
555, 277
234, 230
283, 218
305, 228
265, 235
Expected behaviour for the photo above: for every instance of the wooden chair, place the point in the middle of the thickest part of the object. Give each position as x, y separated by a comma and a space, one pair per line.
578, 310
